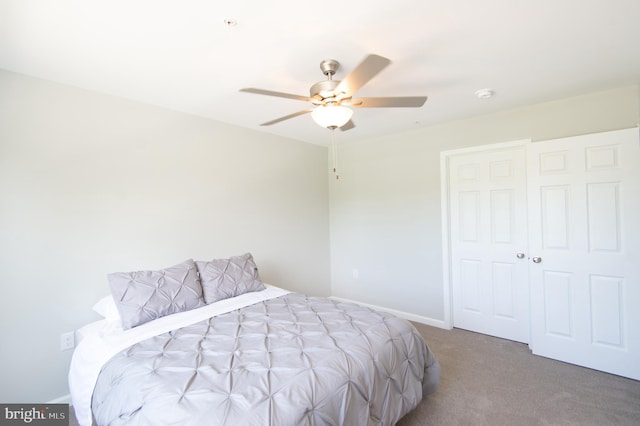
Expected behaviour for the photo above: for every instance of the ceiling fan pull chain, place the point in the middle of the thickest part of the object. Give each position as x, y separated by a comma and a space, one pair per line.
334, 154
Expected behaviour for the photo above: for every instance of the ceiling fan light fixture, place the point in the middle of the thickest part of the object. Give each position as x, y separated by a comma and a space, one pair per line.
331, 116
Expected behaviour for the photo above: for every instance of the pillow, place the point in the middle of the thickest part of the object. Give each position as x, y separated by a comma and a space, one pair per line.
107, 308
224, 278
146, 295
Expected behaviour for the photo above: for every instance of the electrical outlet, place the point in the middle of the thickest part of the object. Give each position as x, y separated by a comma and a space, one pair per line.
67, 341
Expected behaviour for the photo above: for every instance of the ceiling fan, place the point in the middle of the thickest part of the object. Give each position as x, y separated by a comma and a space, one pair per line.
332, 98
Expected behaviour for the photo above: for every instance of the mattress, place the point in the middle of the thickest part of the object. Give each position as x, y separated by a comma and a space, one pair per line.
279, 359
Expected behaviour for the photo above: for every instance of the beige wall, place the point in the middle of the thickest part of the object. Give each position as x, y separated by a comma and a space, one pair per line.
385, 210
92, 184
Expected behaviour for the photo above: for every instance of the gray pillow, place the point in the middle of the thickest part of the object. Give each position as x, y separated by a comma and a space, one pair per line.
143, 296
224, 278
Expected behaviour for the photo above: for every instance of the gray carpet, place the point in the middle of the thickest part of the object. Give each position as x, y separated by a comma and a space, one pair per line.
490, 381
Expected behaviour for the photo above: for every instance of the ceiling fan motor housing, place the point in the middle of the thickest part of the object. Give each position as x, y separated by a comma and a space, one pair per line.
324, 90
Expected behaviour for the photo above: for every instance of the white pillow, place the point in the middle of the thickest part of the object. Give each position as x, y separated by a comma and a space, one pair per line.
107, 308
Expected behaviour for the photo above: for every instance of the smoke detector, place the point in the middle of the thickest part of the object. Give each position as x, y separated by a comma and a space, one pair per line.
484, 93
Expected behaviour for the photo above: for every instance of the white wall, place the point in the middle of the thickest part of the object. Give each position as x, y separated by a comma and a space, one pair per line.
385, 209
92, 184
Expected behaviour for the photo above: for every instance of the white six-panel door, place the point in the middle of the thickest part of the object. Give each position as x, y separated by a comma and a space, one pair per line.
584, 233
488, 224
570, 208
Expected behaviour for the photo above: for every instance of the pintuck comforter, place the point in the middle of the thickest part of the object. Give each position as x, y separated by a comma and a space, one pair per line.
289, 360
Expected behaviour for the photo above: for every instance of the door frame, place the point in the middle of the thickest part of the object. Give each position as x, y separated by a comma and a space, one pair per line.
445, 157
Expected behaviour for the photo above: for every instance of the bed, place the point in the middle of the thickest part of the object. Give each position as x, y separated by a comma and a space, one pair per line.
265, 356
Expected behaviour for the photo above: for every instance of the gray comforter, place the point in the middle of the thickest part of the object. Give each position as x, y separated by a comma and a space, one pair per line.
292, 360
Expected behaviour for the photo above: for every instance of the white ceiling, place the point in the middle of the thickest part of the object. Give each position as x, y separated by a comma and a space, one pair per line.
181, 55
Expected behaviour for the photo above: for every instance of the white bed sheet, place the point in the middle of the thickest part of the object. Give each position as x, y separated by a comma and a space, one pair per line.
99, 344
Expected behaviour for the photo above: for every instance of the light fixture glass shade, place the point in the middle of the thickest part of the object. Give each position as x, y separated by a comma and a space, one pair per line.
331, 115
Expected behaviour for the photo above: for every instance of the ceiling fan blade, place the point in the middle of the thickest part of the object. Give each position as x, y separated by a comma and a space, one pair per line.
286, 117
278, 94
348, 126
365, 71
389, 102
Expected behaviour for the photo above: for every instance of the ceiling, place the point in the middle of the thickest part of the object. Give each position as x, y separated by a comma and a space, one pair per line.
183, 55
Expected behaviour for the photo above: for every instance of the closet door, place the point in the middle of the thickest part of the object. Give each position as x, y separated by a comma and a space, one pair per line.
488, 231
584, 223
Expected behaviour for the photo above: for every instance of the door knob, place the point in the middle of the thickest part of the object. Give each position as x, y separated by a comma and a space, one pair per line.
536, 259
520, 255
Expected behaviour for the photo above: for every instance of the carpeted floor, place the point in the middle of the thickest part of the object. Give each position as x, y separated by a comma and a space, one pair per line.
490, 381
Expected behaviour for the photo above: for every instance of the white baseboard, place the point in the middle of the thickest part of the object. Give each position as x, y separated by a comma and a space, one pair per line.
411, 317
65, 399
